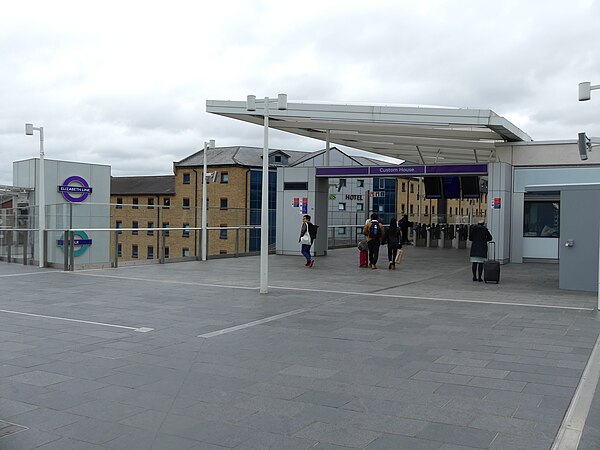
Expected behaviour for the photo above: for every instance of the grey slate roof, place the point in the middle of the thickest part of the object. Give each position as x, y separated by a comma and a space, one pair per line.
144, 185
236, 156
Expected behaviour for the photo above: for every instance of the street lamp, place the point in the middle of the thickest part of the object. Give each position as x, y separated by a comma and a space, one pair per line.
264, 217
29, 129
207, 145
585, 89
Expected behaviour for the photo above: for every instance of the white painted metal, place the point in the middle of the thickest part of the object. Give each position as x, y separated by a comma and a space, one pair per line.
207, 145
29, 129
393, 131
264, 216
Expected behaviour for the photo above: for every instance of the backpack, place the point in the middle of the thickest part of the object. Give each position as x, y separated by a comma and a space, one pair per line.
312, 231
374, 229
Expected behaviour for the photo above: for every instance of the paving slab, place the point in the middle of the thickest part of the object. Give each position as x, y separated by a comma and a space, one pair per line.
335, 356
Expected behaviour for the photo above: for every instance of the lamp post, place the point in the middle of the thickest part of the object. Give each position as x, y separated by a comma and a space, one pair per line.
207, 145
264, 217
29, 129
585, 94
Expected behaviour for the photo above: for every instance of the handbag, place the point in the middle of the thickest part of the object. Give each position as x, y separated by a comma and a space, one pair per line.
399, 256
305, 239
362, 245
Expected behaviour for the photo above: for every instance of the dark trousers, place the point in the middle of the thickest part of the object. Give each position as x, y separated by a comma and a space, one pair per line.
306, 252
392, 252
373, 246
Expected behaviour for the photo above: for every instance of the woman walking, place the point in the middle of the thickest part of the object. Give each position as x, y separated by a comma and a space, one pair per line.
393, 238
308, 233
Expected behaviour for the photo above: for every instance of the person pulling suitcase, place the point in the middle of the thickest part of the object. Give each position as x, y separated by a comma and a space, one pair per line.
479, 235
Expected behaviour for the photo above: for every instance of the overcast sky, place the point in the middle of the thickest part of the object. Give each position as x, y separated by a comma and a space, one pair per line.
125, 83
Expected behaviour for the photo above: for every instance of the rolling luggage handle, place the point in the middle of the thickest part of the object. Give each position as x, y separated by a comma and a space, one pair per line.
491, 267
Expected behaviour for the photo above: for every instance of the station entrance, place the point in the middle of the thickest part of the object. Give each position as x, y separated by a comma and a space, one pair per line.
446, 185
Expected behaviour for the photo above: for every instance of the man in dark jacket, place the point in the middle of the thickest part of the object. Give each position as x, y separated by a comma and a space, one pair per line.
479, 235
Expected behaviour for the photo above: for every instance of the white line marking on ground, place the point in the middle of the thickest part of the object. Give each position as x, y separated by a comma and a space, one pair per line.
371, 294
140, 330
254, 323
22, 274
571, 428
437, 299
147, 280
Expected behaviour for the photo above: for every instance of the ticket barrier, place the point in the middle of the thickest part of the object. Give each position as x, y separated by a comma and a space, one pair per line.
463, 234
447, 232
434, 235
421, 235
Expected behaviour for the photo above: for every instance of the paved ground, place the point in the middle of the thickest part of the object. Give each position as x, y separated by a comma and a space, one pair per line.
334, 357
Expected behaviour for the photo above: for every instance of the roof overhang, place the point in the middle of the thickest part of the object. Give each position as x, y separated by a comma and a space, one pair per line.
422, 135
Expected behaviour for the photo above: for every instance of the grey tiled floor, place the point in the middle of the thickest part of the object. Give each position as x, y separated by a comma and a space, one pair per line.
416, 358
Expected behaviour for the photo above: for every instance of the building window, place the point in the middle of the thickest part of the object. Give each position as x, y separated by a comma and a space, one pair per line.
412, 188
186, 178
360, 207
432, 210
403, 208
136, 203
186, 231
223, 203
119, 250
166, 252
426, 210
166, 203
150, 203
541, 219
134, 251
119, 202
119, 224
403, 186
222, 252
150, 225
342, 230
186, 203
166, 228
360, 183
224, 177
277, 158
185, 252
134, 224
382, 183
341, 206
150, 252
411, 209
455, 210
223, 231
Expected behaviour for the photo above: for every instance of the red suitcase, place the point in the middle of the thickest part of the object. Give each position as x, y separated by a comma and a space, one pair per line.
364, 258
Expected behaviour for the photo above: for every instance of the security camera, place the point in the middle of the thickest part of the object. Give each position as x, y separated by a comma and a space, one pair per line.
584, 145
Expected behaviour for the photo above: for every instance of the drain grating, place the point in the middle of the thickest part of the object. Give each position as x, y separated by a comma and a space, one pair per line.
7, 428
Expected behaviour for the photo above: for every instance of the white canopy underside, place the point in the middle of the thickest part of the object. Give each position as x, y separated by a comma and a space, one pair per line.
421, 135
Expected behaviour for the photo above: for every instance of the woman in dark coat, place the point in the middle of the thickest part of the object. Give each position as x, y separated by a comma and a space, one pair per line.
393, 238
479, 235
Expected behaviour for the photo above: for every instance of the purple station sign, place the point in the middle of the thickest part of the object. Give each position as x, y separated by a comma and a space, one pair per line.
382, 171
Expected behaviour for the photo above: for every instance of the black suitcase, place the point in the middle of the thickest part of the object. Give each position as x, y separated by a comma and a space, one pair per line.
491, 267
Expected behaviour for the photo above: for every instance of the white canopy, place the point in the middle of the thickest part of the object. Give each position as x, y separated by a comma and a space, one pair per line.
422, 135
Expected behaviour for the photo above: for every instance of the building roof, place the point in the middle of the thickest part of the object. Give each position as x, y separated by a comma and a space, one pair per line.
144, 185
423, 135
236, 156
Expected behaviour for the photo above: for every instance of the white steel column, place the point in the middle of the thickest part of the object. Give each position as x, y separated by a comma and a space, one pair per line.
264, 220
207, 145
